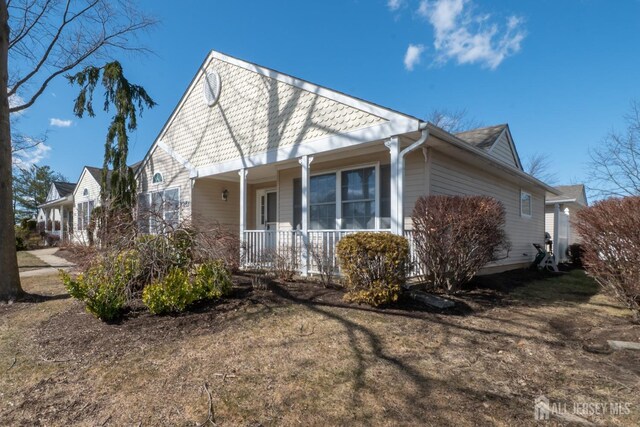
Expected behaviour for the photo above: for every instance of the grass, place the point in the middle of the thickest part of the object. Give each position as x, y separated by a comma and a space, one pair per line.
287, 356
27, 261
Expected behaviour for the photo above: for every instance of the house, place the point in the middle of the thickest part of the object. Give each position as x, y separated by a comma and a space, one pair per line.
86, 197
292, 167
558, 210
56, 213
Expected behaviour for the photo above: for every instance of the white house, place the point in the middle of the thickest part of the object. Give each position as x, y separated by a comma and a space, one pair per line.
559, 210
294, 166
56, 213
86, 197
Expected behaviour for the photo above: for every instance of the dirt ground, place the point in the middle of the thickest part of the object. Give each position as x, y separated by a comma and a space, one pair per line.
296, 354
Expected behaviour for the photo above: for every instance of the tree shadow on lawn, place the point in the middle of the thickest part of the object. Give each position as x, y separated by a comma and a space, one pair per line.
413, 384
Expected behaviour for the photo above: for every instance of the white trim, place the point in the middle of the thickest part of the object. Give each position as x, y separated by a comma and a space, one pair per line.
178, 158
149, 194
366, 135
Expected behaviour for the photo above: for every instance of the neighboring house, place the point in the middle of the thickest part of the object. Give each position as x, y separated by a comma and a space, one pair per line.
56, 213
86, 197
558, 211
293, 166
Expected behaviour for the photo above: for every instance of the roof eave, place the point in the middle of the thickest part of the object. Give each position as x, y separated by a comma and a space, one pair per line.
454, 140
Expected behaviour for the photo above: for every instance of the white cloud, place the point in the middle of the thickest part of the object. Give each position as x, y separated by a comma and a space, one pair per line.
60, 123
469, 37
394, 5
14, 101
23, 159
412, 57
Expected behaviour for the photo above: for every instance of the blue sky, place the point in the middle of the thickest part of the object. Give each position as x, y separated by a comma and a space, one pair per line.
561, 73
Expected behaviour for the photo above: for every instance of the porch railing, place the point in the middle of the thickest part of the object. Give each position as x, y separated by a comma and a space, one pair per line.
268, 249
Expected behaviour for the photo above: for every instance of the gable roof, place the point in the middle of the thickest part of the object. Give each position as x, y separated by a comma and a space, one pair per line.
568, 193
64, 188
391, 123
484, 137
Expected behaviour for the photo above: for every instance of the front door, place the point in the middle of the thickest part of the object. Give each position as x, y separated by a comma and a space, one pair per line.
267, 210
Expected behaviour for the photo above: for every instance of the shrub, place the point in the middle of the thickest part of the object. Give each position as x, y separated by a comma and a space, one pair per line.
374, 266
610, 231
105, 286
171, 294
212, 280
455, 236
576, 254
104, 298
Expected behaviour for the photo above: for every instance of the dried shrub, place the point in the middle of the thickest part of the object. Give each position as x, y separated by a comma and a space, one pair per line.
374, 265
610, 231
281, 262
455, 236
576, 254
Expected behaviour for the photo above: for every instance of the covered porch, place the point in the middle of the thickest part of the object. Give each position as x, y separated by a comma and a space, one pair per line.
294, 212
57, 217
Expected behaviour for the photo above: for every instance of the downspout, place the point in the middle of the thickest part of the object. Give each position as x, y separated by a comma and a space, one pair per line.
400, 177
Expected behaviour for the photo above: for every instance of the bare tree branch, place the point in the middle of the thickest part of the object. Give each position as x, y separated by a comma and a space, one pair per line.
453, 121
539, 166
53, 37
614, 168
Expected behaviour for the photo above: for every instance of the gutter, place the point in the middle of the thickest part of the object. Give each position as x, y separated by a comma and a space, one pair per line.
60, 201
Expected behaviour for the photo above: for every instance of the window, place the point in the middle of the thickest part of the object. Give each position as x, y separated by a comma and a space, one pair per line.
322, 202
356, 201
85, 192
359, 199
84, 210
157, 178
525, 204
159, 211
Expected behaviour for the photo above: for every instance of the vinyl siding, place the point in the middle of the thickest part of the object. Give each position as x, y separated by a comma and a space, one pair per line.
86, 181
502, 151
174, 175
451, 177
208, 206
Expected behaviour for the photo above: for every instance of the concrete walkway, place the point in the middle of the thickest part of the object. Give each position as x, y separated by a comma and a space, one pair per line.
55, 263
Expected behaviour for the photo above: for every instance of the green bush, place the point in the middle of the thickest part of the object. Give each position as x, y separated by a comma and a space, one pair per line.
212, 280
374, 266
104, 298
104, 286
171, 294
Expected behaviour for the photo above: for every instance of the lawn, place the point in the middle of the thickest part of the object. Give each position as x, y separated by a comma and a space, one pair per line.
296, 354
27, 261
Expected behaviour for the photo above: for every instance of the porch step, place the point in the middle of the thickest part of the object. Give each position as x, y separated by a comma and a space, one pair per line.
432, 300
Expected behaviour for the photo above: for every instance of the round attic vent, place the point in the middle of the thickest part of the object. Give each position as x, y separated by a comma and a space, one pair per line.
211, 88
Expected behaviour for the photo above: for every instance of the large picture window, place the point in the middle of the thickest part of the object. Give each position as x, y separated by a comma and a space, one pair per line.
159, 211
322, 202
354, 203
359, 199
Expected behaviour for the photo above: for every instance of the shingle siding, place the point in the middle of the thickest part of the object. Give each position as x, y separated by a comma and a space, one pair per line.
255, 114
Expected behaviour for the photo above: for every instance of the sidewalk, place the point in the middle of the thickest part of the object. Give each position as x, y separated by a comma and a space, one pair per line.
55, 263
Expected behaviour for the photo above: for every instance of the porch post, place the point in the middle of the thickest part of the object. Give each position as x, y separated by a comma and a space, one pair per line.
62, 223
556, 226
305, 161
46, 219
243, 211
397, 219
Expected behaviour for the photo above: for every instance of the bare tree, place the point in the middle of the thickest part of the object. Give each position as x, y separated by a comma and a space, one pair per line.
43, 39
614, 168
539, 165
453, 121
